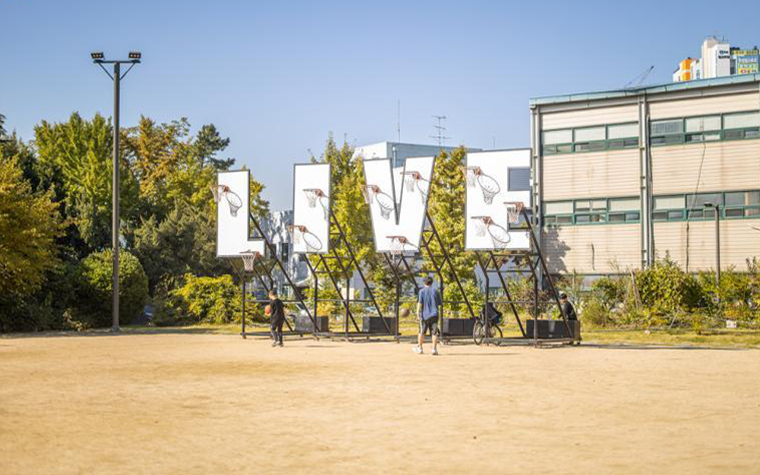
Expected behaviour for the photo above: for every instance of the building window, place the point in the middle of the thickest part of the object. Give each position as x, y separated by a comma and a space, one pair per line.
591, 139
519, 179
592, 211
733, 205
738, 126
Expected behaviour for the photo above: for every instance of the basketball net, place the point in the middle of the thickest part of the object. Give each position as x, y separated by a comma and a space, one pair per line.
249, 258
513, 211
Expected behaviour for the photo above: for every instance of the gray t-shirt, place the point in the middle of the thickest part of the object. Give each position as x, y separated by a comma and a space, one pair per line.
430, 299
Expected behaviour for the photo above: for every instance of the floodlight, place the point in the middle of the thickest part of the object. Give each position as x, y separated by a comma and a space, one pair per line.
135, 55
97, 55
709, 205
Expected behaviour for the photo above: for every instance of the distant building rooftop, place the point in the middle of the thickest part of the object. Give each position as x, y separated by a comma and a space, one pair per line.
654, 89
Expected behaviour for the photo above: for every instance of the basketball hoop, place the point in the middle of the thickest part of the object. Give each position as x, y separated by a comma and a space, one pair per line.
233, 200
499, 235
369, 192
302, 234
372, 193
471, 175
314, 194
399, 245
249, 259
218, 190
514, 208
481, 223
489, 187
414, 180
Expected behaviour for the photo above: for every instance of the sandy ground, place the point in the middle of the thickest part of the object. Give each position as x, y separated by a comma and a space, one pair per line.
205, 403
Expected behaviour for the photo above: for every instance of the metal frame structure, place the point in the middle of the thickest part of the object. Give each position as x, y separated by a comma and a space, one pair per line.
322, 267
261, 271
439, 261
536, 264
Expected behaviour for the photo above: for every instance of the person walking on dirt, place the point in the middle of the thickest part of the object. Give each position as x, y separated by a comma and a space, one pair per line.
276, 317
428, 302
567, 308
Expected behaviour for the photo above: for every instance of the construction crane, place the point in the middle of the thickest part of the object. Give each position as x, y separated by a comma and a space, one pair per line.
639, 80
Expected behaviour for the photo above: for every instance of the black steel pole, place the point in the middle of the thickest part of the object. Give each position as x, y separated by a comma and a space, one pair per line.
242, 328
115, 191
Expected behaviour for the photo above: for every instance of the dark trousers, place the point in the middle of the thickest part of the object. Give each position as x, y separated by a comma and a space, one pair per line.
276, 326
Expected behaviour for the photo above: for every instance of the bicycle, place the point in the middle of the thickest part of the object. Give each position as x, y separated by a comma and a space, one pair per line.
479, 328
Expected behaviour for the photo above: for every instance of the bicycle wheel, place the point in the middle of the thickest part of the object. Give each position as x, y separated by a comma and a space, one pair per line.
478, 332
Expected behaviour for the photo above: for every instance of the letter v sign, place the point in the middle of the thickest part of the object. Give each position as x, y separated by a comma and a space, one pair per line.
398, 200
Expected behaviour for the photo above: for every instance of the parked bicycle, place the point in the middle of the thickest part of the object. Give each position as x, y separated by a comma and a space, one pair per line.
493, 328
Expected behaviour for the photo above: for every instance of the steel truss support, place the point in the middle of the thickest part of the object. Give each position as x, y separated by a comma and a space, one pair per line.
403, 270
536, 264
345, 263
262, 270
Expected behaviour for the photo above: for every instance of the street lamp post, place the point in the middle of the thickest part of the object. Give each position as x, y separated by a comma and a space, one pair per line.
716, 207
99, 59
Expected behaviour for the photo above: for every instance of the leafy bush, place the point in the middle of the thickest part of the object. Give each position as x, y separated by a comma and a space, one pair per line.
201, 299
452, 293
595, 313
666, 289
93, 288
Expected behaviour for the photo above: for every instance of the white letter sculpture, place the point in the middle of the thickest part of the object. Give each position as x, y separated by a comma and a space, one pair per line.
233, 227
398, 200
498, 185
311, 208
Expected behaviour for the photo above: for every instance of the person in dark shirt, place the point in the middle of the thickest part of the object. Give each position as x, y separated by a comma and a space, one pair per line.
428, 303
276, 317
567, 307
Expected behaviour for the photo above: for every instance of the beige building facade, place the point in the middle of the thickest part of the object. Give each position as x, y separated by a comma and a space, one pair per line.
622, 178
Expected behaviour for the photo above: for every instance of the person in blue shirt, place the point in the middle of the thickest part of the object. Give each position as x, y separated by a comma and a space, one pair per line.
428, 303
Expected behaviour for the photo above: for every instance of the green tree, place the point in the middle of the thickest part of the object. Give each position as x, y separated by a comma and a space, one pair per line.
29, 224
79, 153
184, 242
446, 209
351, 212
94, 284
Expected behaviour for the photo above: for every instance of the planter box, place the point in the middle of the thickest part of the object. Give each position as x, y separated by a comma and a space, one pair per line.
458, 326
551, 329
375, 325
305, 325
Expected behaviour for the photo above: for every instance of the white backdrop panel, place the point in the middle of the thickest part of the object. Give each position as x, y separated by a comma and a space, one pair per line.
316, 219
232, 231
486, 197
396, 209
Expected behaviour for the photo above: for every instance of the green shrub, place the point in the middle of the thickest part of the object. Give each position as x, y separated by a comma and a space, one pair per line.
666, 289
451, 293
595, 313
201, 300
93, 288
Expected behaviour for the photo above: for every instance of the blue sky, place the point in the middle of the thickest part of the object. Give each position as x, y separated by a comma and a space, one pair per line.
277, 77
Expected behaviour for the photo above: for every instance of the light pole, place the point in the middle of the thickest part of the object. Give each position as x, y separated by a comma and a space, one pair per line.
716, 207
99, 59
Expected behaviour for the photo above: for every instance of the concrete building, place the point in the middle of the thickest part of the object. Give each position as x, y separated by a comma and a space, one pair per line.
718, 59
622, 177
400, 151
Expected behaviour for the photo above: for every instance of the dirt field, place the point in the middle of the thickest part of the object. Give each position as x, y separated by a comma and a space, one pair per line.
206, 403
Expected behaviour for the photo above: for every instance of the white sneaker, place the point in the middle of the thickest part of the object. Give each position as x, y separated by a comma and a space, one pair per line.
417, 349
435, 351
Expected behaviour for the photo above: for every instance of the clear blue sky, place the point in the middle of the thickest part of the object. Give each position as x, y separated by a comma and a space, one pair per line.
277, 77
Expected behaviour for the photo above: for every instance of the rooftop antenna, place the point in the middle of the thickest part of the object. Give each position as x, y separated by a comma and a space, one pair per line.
639, 80
440, 130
